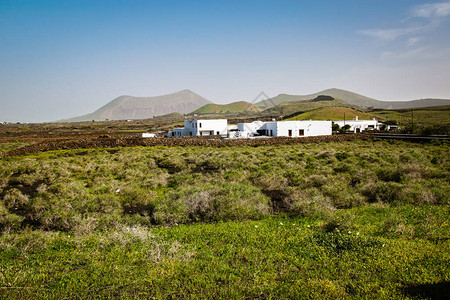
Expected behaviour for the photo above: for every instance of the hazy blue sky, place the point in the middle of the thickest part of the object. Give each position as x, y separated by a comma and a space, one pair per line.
60, 59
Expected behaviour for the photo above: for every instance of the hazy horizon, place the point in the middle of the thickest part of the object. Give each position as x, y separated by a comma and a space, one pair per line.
61, 59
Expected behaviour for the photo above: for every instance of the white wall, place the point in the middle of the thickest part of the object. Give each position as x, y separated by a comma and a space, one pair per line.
148, 135
358, 124
309, 128
220, 127
201, 127
250, 128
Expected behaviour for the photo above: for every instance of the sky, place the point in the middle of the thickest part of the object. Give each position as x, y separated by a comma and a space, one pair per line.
61, 58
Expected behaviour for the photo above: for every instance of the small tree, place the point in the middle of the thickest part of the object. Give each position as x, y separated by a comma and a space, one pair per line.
344, 128
335, 127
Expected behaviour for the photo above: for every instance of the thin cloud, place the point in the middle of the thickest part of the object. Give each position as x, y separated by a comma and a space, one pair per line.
410, 54
389, 34
421, 53
431, 10
433, 13
413, 40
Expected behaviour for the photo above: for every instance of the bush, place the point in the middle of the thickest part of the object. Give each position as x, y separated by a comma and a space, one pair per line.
9, 221
309, 203
387, 192
338, 222
137, 201
231, 201
390, 174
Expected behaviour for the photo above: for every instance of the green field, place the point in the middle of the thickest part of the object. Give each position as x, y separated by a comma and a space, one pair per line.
357, 219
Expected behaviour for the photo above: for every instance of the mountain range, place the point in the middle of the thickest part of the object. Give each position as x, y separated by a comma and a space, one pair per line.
188, 102
353, 99
129, 107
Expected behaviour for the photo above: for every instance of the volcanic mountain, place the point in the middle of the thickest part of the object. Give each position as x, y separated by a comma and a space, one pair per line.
354, 99
129, 107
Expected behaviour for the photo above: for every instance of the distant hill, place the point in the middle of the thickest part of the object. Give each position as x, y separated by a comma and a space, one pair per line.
288, 108
423, 115
129, 107
171, 116
334, 114
235, 107
354, 99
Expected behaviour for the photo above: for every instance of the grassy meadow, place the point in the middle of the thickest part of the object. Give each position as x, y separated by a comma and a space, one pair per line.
357, 219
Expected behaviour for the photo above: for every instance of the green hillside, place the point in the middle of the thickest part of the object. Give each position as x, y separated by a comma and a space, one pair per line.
333, 113
235, 107
289, 108
425, 116
348, 97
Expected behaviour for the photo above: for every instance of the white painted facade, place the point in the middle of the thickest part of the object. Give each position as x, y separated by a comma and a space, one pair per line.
148, 135
201, 128
359, 125
253, 129
285, 128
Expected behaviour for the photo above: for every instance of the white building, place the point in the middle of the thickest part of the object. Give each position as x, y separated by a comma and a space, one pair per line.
284, 128
253, 129
359, 125
148, 135
201, 128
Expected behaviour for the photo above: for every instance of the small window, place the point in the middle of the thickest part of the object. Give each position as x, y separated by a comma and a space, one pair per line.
190, 133
200, 125
301, 132
290, 132
218, 133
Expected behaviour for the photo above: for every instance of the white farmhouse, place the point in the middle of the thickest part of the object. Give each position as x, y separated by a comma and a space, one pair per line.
284, 128
253, 129
148, 135
359, 125
201, 128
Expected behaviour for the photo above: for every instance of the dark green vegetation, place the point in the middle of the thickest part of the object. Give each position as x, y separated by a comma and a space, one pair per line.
359, 219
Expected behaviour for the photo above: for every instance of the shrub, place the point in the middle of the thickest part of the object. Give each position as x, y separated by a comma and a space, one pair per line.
309, 202
8, 221
15, 200
137, 201
231, 201
338, 222
390, 174
342, 195
387, 192
316, 181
